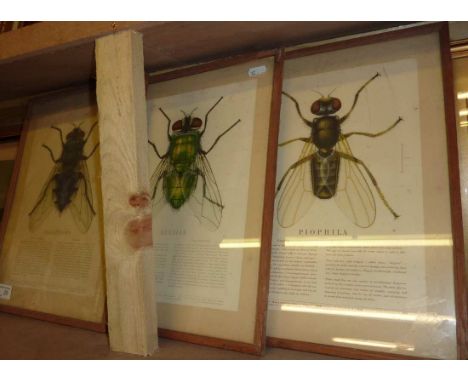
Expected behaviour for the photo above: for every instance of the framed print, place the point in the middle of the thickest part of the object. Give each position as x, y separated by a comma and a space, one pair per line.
367, 257
209, 135
51, 262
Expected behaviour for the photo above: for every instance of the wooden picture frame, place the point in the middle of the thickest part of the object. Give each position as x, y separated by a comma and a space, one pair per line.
456, 301
11, 123
8, 151
256, 346
459, 50
49, 299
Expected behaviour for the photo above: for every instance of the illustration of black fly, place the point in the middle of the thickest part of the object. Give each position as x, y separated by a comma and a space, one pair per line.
176, 177
328, 169
68, 185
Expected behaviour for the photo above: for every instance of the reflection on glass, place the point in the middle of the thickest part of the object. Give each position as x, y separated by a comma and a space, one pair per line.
441, 240
239, 243
463, 108
426, 318
378, 344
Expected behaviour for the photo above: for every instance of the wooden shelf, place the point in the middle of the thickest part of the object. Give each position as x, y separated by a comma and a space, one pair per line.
53, 55
26, 338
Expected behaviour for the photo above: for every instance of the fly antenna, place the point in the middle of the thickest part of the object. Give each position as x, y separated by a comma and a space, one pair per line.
193, 110
329, 94
320, 94
183, 112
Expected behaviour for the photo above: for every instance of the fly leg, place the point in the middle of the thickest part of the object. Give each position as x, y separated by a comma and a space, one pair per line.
356, 97
90, 204
156, 150
168, 123
90, 131
219, 137
292, 167
168, 135
51, 153
205, 193
306, 121
86, 157
372, 178
60, 132
306, 140
206, 116
375, 135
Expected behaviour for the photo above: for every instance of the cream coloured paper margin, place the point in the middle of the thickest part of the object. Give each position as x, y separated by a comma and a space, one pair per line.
56, 269
397, 279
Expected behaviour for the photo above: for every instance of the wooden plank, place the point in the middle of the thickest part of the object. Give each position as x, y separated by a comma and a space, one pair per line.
48, 47
174, 38
48, 37
125, 183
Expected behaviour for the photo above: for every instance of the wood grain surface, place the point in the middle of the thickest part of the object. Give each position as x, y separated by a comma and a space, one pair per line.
130, 277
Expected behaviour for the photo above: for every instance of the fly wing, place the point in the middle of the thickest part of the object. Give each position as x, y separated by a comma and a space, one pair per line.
205, 200
81, 206
45, 202
156, 184
354, 196
296, 196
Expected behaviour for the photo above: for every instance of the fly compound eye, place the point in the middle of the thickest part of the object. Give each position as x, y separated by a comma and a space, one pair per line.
336, 104
196, 123
176, 126
315, 108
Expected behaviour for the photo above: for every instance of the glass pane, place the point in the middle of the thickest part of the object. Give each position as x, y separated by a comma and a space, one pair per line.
362, 238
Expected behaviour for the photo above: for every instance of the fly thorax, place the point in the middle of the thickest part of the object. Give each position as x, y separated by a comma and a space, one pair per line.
184, 149
326, 132
72, 153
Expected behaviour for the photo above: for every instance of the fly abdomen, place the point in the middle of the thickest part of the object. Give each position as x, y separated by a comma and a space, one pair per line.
324, 173
178, 187
66, 184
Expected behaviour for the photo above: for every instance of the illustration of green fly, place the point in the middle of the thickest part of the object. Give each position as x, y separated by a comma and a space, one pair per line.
68, 183
176, 177
328, 169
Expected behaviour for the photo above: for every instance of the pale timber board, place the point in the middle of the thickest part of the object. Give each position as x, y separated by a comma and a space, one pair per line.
123, 135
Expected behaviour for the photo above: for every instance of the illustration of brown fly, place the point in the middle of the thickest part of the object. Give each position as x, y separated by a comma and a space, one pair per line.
328, 169
68, 185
